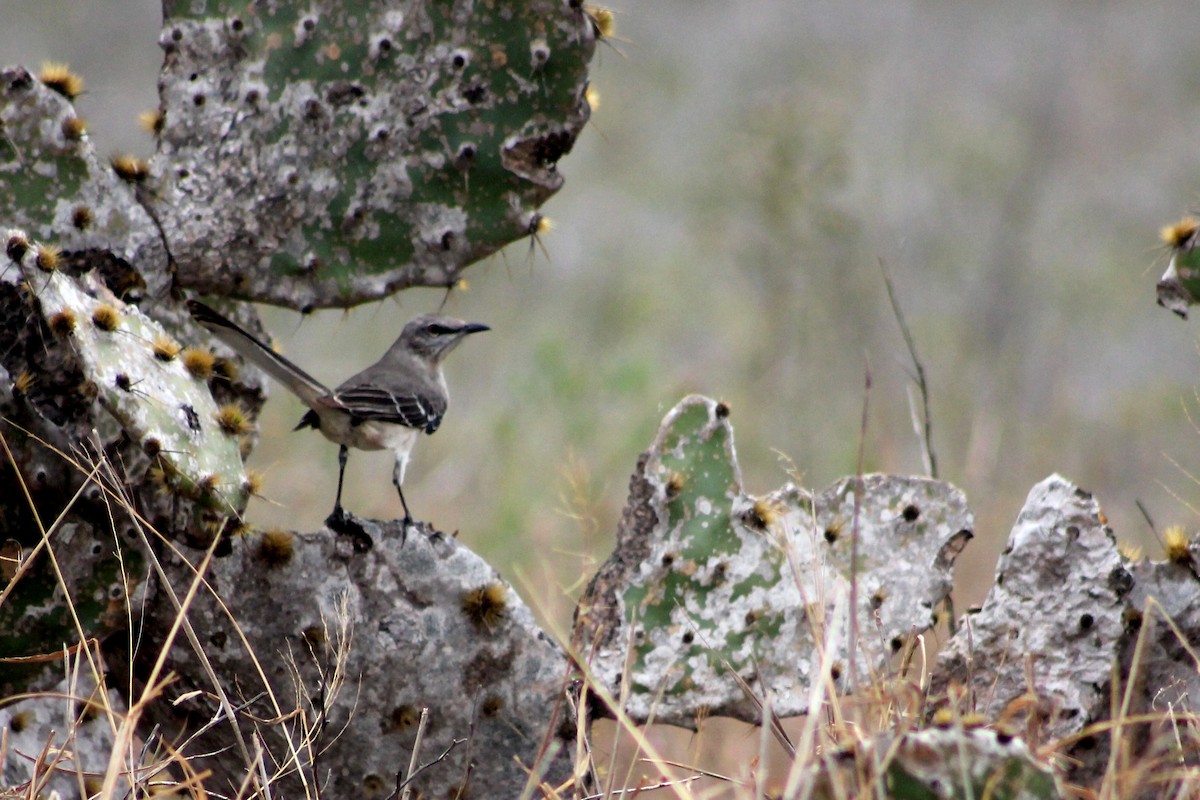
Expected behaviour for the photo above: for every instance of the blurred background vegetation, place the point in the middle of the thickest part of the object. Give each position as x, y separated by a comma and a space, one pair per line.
721, 230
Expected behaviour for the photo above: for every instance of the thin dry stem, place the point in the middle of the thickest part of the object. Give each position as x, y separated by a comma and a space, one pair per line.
926, 429
406, 787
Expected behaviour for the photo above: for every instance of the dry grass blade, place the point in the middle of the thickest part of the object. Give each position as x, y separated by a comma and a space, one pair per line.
855, 534
700, 773
260, 761
588, 685
800, 780
44, 535
180, 623
404, 787
45, 658
671, 784
1133, 763
584, 772
930, 458
770, 719
1121, 715
629, 727
100, 473
536, 774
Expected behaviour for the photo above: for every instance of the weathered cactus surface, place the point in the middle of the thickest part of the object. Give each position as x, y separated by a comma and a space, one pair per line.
73, 723
329, 153
942, 763
1066, 614
139, 378
1179, 287
1057, 607
707, 581
362, 637
54, 187
964, 763
98, 569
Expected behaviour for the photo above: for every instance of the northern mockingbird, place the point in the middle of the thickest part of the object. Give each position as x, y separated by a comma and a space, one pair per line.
385, 407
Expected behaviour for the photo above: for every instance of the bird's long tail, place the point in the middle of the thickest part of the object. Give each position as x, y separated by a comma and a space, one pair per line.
305, 386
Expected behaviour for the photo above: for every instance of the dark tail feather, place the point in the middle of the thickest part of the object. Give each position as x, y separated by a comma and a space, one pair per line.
297, 380
309, 420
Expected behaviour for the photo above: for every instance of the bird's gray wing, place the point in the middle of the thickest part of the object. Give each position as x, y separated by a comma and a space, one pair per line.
370, 401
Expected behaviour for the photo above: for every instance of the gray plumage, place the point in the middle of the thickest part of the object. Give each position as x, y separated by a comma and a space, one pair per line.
385, 406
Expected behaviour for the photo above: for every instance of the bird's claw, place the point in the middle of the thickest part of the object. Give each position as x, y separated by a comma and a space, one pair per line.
341, 522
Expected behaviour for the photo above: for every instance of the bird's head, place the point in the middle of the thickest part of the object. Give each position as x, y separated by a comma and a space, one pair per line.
431, 336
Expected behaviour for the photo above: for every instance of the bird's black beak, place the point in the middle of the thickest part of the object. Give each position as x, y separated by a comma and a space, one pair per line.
474, 327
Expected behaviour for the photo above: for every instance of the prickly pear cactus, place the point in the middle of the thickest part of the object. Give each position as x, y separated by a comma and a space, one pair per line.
1060, 596
708, 582
942, 763
1179, 287
432, 626
319, 153
115, 356
103, 576
311, 154
106, 251
965, 763
53, 186
315, 153
328, 153
141, 379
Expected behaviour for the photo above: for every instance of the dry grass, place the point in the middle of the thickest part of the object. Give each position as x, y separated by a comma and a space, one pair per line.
842, 750
845, 746
834, 752
140, 761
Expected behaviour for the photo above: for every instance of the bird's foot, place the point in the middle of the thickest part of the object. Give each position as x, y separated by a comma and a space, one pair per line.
341, 522
337, 518
431, 533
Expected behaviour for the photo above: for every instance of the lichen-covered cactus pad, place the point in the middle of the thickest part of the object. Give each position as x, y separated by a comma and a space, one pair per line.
55, 188
328, 153
1059, 602
1179, 286
138, 375
707, 581
964, 763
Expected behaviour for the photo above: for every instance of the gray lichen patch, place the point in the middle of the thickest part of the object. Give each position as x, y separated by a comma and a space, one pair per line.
707, 580
33, 723
330, 154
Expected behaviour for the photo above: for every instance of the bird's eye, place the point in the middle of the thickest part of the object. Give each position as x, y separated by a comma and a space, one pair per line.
436, 329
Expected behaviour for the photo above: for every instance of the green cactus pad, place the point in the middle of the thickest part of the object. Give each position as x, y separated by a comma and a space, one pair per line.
99, 571
965, 763
708, 581
330, 153
54, 187
1179, 286
160, 405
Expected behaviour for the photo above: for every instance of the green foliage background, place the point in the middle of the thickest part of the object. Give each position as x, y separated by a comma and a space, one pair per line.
720, 231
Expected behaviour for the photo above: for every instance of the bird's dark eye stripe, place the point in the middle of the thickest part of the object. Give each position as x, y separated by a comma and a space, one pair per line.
439, 330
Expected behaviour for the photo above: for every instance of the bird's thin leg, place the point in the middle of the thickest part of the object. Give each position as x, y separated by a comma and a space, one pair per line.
397, 477
339, 514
